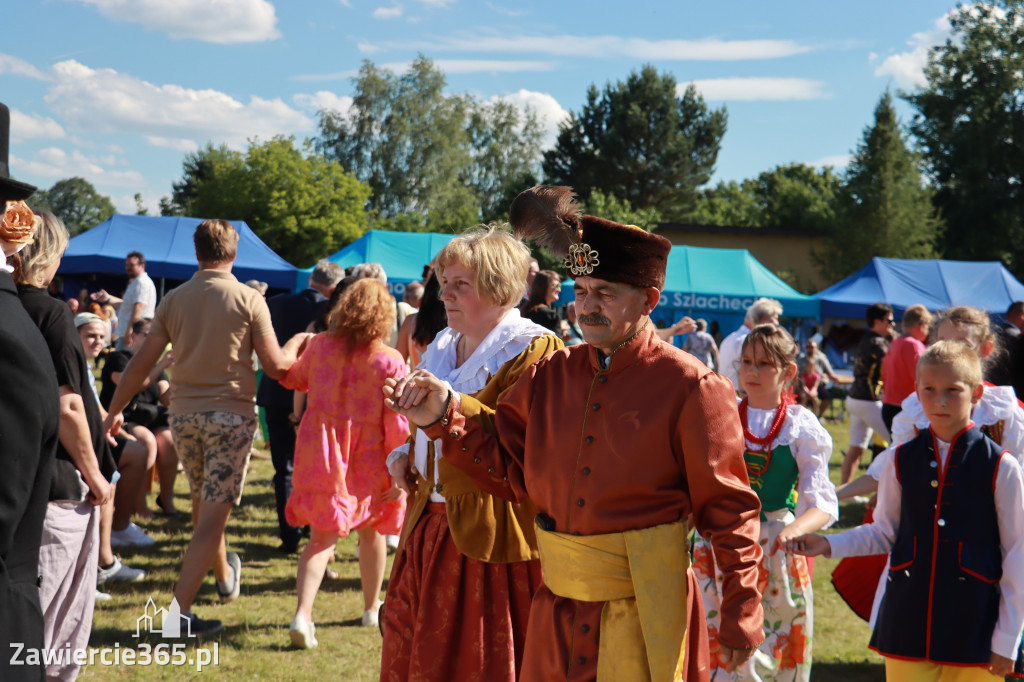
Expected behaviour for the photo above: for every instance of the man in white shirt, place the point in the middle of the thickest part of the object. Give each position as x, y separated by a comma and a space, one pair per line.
139, 298
762, 311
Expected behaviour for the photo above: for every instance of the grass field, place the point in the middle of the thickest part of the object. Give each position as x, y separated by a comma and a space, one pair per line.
255, 643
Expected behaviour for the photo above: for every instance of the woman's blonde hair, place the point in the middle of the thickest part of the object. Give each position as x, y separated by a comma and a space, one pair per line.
50, 241
498, 260
364, 313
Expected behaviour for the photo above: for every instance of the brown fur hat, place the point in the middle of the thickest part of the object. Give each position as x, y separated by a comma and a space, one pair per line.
591, 246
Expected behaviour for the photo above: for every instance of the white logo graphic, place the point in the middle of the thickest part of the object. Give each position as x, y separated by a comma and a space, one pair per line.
172, 622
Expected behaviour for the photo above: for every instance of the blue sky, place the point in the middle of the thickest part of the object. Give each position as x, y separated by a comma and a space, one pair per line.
117, 91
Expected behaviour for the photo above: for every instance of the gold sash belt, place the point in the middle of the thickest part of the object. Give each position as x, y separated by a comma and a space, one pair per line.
641, 575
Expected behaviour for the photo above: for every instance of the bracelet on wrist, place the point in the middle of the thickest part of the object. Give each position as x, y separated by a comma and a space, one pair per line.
447, 405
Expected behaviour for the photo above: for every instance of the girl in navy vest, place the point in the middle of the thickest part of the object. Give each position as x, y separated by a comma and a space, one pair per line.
787, 453
950, 508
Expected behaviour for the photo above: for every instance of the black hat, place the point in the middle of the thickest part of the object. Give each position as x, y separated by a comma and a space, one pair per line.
592, 246
10, 190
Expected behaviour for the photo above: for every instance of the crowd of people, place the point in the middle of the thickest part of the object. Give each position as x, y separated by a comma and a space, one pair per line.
553, 515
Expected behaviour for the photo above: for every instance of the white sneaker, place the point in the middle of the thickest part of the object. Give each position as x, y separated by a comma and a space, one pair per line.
130, 536
119, 572
371, 617
302, 633
102, 596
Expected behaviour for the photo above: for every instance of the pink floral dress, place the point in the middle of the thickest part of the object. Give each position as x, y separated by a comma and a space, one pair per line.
344, 438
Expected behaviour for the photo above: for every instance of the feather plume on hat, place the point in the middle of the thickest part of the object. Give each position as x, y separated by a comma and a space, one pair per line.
549, 216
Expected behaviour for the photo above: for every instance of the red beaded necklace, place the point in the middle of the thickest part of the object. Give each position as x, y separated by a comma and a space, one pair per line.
765, 444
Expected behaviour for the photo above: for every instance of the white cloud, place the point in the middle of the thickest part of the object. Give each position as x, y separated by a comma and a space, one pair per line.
55, 163
757, 89
547, 108
615, 46
836, 161
367, 48
438, 3
346, 3
446, 65
213, 21
104, 100
503, 10
387, 12
19, 67
33, 126
489, 66
907, 68
181, 144
324, 100
125, 203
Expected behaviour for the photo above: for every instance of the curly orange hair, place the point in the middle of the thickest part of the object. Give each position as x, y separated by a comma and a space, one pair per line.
363, 314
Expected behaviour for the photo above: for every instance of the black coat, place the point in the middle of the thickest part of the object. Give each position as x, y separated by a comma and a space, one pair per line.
290, 314
29, 423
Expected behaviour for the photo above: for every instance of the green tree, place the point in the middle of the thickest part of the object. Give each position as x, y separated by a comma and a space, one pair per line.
76, 202
884, 208
299, 203
639, 141
969, 122
432, 160
140, 207
795, 196
728, 203
606, 206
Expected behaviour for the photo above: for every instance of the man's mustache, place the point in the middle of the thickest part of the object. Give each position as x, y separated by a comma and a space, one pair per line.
594, 319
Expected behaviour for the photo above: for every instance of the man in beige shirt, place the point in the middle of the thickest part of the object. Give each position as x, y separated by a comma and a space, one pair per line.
214, 323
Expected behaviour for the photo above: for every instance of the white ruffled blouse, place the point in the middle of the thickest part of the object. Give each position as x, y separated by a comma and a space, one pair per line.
811, 446
509, 338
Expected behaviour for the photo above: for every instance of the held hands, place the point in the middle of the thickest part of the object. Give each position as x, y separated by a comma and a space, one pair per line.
734, 658
811, 544
1000, 666
420, 396
403, 476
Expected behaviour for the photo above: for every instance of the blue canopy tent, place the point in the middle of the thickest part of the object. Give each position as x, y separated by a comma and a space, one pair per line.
403, 255
726, 281
170, 253
937, 284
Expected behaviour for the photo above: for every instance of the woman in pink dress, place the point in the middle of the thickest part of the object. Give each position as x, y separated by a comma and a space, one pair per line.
340, 481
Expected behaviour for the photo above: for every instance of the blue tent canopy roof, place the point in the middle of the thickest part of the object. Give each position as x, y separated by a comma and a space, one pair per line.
403, 254
726, 281
937, 284
166, 241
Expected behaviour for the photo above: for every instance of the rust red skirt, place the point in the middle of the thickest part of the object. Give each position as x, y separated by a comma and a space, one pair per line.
448, 617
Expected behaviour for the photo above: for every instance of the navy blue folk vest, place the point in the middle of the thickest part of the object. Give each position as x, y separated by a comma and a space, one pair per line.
942, 596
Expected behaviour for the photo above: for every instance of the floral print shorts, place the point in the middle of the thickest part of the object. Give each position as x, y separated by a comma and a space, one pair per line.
214, 450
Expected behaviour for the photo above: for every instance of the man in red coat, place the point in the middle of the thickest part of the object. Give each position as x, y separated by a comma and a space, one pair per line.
617, 442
